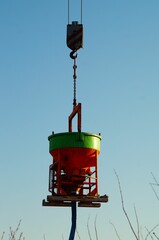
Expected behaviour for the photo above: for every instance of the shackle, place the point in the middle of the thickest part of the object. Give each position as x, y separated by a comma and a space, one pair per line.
69, 11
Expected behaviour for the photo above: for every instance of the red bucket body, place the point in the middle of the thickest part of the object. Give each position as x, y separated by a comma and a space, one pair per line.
75, 158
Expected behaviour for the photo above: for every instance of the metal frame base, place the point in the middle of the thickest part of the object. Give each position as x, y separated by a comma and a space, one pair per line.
83, 201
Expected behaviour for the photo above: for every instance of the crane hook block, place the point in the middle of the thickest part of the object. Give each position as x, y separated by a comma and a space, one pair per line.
75, 36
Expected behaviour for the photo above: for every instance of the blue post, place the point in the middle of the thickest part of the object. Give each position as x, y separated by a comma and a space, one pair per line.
73, 227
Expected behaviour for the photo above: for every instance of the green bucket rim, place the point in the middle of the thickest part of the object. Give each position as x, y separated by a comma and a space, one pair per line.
74, 140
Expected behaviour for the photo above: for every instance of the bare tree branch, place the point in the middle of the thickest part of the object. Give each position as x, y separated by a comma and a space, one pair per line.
149, 232
78, 234
137, 220
20, 237
115, 231
154, 184
155, 235
151, 184
2, 235
95, 227
141, 234
123, 207
44, 237
89, 233
12, 234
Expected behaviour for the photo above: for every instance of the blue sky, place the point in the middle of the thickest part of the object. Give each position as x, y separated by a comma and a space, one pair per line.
118, 82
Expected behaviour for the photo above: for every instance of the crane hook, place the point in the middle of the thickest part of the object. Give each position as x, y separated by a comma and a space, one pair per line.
73, 55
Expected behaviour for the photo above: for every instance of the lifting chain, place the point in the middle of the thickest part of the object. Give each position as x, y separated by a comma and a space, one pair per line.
73, 55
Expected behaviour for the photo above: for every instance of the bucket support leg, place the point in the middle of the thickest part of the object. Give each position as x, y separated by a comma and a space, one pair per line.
74, 216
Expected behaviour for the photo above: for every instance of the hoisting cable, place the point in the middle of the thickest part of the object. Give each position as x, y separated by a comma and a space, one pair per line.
69, 11
74, 213
81, 11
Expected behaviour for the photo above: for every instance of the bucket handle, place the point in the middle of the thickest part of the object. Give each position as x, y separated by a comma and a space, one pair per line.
76, 110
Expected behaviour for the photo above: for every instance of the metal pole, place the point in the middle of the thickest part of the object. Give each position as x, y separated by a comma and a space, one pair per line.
74, 213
